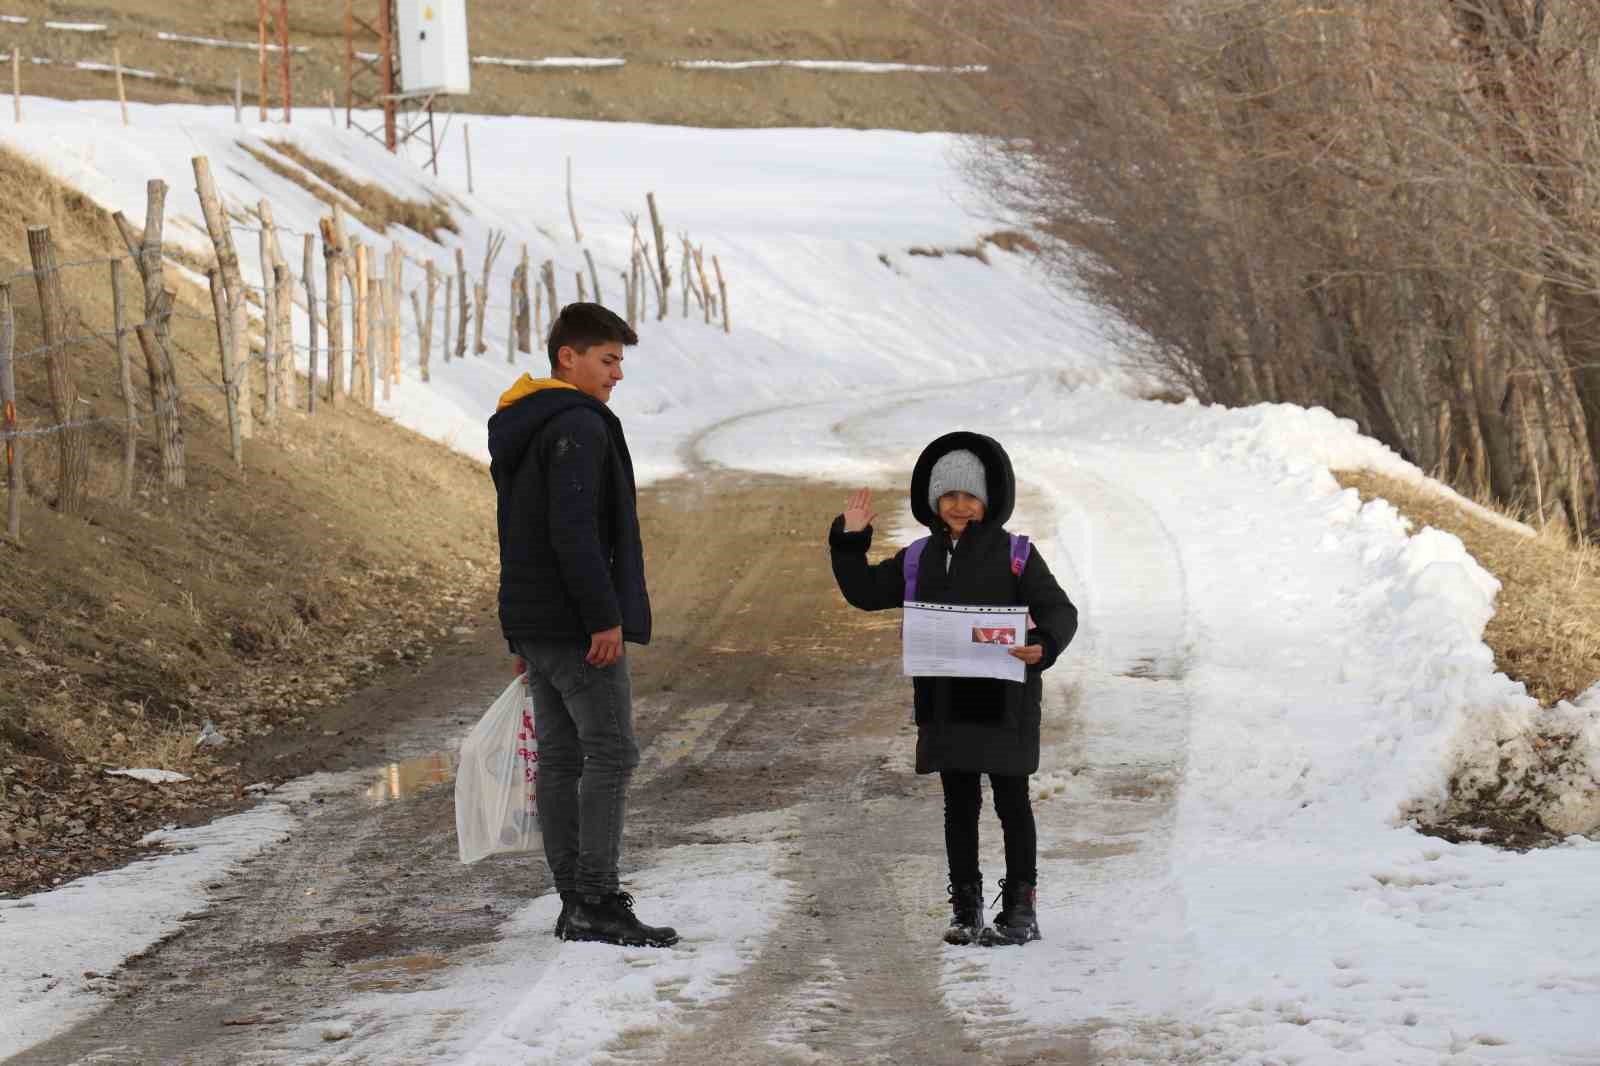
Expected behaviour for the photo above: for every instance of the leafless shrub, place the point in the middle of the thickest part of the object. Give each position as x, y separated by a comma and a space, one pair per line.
1382, 207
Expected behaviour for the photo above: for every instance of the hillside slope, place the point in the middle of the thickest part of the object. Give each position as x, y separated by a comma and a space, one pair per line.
650, 35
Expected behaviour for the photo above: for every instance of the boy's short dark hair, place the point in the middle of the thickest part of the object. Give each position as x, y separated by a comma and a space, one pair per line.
580, 326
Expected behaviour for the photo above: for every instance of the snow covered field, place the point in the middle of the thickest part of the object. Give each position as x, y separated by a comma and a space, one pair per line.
1283, 673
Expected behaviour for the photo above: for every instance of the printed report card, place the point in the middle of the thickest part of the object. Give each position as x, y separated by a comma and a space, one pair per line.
948, 640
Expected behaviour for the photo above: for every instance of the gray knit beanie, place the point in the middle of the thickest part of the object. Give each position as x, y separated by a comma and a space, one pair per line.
957, 471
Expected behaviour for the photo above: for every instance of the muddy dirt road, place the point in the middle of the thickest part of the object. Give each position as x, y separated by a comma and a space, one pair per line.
763, 692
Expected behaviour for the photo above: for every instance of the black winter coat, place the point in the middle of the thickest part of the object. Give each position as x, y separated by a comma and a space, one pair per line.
969, 724
571, 558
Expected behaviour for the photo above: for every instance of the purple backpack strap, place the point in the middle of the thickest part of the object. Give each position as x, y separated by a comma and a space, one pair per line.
912, 564
1019, 553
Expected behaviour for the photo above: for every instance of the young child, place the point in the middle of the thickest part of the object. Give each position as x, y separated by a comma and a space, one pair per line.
962, 489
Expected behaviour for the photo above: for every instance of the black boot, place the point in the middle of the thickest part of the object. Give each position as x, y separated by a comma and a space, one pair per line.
1018, 921
609, 919
567, 899
966, 901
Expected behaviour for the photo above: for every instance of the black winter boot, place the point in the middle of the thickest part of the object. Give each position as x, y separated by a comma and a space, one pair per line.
1017, 922
966, 901
609, 919
567, 899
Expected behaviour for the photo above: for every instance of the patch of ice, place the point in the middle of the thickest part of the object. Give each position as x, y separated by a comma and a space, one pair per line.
153, 777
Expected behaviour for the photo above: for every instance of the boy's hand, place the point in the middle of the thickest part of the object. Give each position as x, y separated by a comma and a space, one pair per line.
1029, 653
519, 667
858, 512
605, 647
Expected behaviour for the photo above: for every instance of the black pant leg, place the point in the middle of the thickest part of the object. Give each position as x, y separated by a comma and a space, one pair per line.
1014, 806
963, 799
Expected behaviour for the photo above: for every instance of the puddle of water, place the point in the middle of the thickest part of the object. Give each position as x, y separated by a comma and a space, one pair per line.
401, 779
411, 964
394, 975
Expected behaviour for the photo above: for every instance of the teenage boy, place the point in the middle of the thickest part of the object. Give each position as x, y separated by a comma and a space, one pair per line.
572, 592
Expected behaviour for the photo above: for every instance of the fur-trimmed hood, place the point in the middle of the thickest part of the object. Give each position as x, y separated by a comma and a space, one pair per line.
996, 465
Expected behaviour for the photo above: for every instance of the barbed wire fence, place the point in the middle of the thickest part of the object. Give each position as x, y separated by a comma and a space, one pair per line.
258, 356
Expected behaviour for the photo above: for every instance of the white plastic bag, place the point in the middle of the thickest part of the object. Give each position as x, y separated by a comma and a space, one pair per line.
496, 808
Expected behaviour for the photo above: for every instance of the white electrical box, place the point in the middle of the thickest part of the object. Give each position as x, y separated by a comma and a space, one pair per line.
433, 46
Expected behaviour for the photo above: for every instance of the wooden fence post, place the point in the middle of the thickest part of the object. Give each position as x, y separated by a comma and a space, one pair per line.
397, 284
425, 350
8, 416
594, 276
661, 253
384, 358
705, 285
72, 492
283, 286
511, 320
378, 292
333, 259
122, 93
360, 376
525, 307
572, 212
462, 305
549, 272
635, 289
722, 289
466, 139
497, 242
16, 81
688, 278
261, 56
642, 254
283, 60
164, 383
146, 251
130, 435
583, 296
238, 96
538, 313
269, 332
228, 261
449, 300
230, 362
481, 295
309, 277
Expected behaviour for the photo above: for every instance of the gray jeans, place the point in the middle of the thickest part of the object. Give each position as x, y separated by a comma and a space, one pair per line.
587, 753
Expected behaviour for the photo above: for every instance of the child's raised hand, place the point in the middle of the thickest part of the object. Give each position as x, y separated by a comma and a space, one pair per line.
858, 512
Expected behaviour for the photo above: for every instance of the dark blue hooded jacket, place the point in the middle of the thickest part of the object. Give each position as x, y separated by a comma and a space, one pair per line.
571, 559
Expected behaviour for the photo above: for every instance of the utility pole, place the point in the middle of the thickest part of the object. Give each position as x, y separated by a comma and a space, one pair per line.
371, 82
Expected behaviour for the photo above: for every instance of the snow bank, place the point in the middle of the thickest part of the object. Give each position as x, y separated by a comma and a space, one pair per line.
1303, 674
56, 945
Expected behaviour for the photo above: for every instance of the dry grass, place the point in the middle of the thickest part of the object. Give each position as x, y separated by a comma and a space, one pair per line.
373, 205
346, 543
1005, 240
1008, 240
290, 172
648, 32
1546, 628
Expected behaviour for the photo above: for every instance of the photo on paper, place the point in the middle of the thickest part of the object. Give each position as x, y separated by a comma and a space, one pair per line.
993, 635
